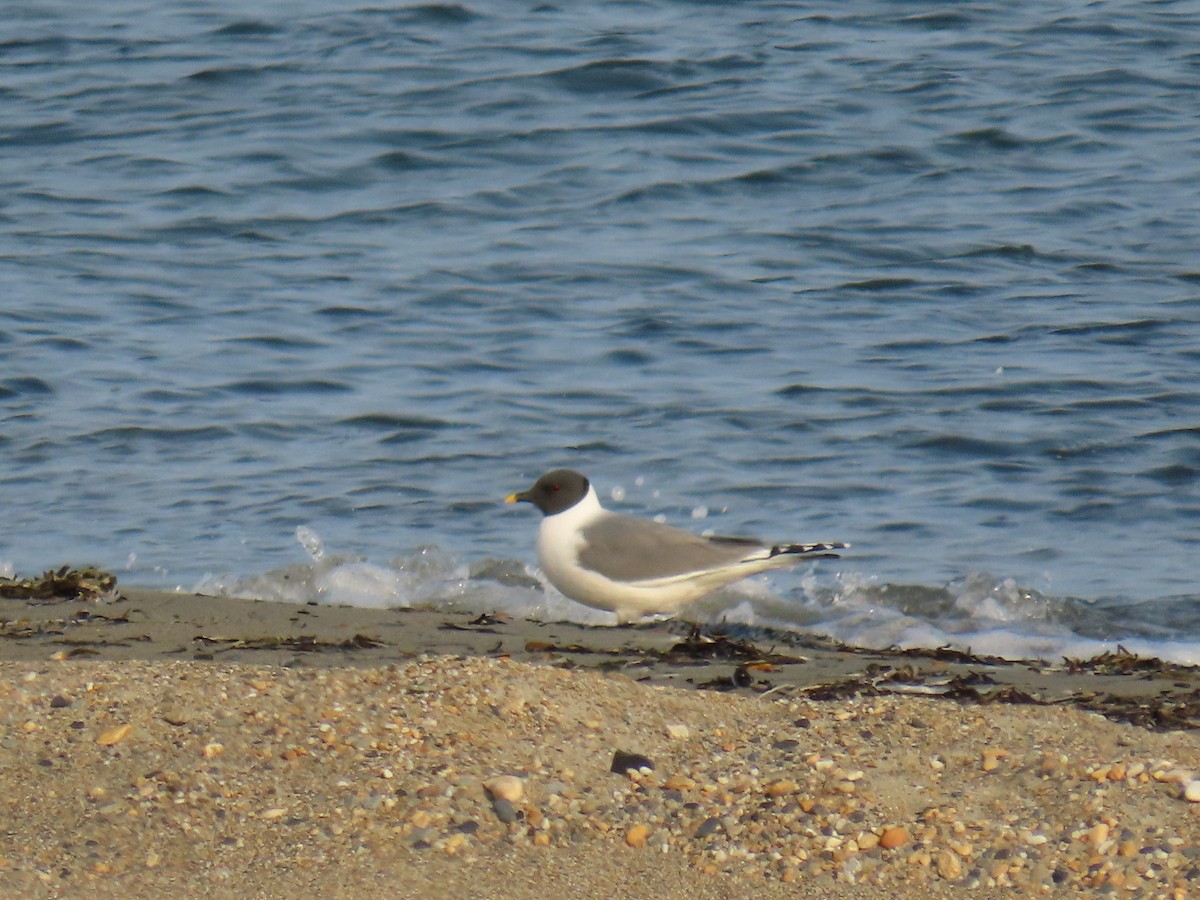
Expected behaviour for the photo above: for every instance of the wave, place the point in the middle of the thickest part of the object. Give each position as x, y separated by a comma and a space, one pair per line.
976, 613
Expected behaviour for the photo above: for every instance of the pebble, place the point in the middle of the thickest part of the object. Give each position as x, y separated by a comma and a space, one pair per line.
505, 787
504, 810
623, 762
893, 837
1191, 791
991, 759
174, 715
637, 835
782, 787
948, 865
678, 732
707, 827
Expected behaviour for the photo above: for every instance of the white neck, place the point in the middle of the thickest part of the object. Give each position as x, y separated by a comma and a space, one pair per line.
579, 514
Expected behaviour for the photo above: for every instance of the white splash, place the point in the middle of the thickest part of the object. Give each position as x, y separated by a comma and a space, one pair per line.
311, 543
978, 613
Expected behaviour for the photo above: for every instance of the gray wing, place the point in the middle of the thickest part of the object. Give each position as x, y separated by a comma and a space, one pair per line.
627, 549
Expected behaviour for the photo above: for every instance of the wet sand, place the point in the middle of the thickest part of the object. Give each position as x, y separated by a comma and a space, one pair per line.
247, 748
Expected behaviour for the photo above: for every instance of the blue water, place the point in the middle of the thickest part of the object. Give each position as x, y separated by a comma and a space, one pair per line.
917, 276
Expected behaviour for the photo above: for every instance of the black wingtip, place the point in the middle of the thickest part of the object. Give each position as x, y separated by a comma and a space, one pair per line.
810, 551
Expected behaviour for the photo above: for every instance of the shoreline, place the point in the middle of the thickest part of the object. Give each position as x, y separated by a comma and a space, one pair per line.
158, 625
236, 747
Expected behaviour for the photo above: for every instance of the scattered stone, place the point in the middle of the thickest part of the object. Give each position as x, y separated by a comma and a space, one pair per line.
637, 835
1173, 776
623, 762
174, 715
678, 732
893, 836
679, 782
504, 810
1191, 791
992, 758
59, 701
948, 865
707, 827
505, 787
782, 787
420, 839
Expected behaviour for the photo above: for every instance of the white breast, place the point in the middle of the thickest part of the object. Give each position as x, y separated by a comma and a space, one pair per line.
558, 546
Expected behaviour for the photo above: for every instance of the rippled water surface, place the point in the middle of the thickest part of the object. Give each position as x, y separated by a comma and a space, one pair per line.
920, 277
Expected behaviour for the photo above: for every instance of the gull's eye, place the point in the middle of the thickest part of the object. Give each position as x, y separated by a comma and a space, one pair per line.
555, 488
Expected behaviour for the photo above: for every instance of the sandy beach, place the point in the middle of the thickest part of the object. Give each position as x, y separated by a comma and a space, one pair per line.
224, 747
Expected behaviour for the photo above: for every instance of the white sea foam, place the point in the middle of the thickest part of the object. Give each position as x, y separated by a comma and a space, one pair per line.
976, 613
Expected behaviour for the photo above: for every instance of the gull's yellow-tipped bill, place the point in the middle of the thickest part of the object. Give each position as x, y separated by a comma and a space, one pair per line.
511, 498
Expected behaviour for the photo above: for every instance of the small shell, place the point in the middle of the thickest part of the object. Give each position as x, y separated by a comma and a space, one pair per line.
114, 735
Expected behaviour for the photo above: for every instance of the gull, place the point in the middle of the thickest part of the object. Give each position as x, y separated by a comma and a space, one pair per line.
638, 567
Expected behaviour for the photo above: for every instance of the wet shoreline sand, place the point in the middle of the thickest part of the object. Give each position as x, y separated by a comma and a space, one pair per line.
236, 747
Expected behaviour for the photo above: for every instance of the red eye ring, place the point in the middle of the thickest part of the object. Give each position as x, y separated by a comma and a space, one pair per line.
555, 488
